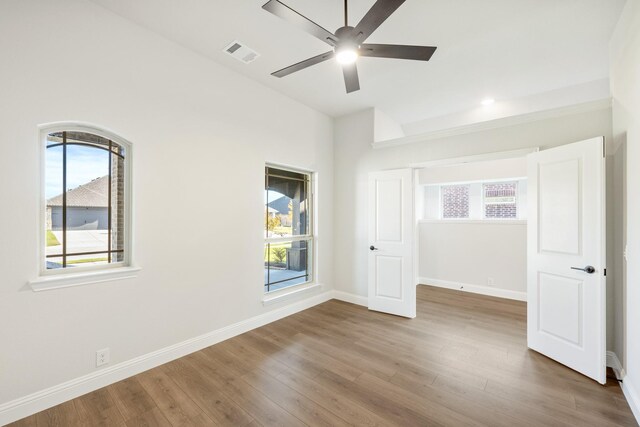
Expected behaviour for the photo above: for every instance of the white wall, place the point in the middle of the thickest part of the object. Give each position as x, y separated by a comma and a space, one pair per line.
625, 86
486, 250
354, 159
201, 135
469, 253
503, 169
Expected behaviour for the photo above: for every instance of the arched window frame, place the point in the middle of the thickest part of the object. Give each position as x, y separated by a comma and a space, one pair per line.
53, 278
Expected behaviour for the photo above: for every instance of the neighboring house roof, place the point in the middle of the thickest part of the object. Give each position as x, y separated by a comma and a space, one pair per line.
281, 205
93, 194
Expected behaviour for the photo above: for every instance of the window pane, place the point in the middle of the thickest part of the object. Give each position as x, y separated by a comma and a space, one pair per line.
78, 219
455, 201
54, 263
286, 264
87, 199
53, 214
500, 200
89, 259
286, 203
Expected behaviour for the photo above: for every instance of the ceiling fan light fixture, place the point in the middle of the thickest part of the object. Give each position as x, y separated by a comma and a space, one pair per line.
348, 42
346, 56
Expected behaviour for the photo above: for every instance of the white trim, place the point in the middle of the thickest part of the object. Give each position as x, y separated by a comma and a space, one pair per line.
351, 298
614, 363
484, 157
44, 399
312, 187
476, 289
288, 293
474, 221
585, 107
288, 167
296, 238
474, 181
80, 278
628, 389
633, 398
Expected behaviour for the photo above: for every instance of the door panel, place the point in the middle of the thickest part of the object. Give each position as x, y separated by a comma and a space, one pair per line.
566, 233
560, 217
389, 220
560, 307
389, 277
391, 282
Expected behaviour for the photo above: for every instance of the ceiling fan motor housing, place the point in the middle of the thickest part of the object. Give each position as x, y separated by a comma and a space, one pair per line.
346, 38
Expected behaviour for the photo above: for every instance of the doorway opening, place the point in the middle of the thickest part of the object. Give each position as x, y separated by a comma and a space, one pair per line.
471, 226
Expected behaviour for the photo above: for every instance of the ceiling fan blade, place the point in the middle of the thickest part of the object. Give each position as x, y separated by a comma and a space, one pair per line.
378, 13
304, 64
396, 51
351, 81
285, 12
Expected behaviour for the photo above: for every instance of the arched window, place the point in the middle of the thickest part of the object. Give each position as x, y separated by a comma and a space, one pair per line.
85, 196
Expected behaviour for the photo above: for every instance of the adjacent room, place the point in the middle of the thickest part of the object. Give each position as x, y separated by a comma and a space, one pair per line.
305, 212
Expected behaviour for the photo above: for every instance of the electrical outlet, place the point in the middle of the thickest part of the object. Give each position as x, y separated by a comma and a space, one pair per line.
102, 357
490, 281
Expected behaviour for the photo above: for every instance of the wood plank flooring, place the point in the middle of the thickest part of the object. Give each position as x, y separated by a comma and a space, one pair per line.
462, 362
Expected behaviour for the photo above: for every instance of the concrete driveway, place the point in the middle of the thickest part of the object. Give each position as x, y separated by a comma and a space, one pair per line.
81, 241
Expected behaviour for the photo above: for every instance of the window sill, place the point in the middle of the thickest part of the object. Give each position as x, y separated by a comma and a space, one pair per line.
474, 221
274, 297
57, 281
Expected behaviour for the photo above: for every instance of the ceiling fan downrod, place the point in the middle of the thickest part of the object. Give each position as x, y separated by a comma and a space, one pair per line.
346, 14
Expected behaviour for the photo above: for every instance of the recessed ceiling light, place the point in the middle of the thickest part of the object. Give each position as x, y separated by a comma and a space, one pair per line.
488, 101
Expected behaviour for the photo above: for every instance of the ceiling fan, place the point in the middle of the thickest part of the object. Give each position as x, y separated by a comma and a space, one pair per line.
348, 42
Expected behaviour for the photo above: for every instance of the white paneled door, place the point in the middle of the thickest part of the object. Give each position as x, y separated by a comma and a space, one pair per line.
392, 287
566, 256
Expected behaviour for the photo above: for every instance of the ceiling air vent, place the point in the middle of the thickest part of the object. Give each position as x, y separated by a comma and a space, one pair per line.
241, 52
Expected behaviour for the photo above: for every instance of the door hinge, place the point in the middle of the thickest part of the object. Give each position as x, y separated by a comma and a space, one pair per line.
605, 271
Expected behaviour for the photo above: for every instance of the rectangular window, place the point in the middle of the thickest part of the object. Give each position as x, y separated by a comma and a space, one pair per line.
500, 200
455, 201
288, 229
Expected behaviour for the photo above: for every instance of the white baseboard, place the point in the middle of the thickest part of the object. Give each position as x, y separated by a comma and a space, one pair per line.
44, 399
476, 289
629, 389
633, 398
614, 363
352, 298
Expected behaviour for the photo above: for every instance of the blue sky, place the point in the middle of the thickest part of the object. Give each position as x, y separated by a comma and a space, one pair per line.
83, 165
273, 195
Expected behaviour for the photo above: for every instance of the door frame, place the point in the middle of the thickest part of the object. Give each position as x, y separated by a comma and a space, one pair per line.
450, 161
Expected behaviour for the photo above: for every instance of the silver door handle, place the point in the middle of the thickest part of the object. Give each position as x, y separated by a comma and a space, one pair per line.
588, 269
373, 248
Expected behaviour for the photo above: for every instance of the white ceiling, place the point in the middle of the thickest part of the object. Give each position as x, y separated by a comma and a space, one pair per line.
504, 49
